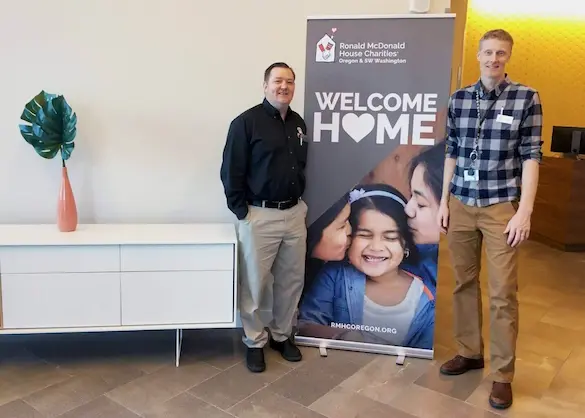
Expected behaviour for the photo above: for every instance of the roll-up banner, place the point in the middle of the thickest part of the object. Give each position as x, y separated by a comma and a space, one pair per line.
376, 96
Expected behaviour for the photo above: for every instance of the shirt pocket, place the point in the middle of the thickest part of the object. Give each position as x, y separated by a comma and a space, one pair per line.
508, 124
340, 310
300, 146
301, 150
264, 147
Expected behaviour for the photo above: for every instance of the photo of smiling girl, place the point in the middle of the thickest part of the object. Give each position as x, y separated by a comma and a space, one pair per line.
369, 292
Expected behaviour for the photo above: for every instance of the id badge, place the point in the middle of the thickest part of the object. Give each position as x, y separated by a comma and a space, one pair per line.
471, 175
505, 119
302, 137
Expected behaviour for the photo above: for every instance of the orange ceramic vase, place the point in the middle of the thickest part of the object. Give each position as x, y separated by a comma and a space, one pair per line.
67, 211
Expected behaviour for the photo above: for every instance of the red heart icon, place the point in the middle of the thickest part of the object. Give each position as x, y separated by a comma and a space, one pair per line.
334, 30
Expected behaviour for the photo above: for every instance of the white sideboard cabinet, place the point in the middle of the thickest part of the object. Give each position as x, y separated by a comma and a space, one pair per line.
118, 277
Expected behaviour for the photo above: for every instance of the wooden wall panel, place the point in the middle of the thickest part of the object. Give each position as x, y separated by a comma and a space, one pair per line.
559, 208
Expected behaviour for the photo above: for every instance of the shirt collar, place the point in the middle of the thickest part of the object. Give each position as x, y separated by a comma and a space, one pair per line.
497, 90
272, 111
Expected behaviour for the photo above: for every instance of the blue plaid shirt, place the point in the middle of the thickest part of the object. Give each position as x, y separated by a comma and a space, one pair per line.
503, 147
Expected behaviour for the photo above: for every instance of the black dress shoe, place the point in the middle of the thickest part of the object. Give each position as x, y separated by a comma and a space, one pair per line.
287, 349
255, 360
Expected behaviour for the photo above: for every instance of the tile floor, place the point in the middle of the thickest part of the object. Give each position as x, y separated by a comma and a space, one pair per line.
133, 374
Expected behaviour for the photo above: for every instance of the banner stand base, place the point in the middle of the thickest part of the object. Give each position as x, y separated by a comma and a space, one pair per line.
401, 352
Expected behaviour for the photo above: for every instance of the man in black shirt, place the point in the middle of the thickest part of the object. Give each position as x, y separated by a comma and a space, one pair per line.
263, 177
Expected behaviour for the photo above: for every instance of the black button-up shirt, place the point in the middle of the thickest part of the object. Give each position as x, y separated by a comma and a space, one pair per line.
264, 158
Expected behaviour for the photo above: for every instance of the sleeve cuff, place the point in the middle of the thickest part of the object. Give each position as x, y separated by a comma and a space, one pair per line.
242, 213
534, 156
450, 151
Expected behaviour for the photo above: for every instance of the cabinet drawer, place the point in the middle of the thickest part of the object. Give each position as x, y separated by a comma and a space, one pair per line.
177, 257
60, 259
177, 297
60, 300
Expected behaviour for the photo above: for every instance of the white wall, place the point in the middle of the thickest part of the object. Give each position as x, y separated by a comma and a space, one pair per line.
155, 84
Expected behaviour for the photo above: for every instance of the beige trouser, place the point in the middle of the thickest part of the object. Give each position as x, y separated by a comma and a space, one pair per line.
272, 250
467, 226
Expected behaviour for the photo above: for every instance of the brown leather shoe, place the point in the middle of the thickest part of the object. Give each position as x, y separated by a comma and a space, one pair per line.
459, 365
501, 396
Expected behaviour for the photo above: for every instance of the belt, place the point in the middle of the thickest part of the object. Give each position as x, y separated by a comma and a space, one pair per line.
282, 205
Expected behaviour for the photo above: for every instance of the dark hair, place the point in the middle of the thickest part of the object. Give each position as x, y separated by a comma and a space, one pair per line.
315, 233
277, 65
433, 160
388, 206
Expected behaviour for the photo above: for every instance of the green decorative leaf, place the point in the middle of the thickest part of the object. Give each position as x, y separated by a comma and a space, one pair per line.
53, 125
27, 133
29, 113
47, 153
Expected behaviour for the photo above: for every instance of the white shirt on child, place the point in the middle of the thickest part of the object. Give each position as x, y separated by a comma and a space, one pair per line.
390, 324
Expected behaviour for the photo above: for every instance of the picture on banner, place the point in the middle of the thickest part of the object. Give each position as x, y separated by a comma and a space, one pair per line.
375, 106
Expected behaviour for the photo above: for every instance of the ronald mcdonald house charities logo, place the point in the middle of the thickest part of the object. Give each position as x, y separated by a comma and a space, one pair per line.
325, 51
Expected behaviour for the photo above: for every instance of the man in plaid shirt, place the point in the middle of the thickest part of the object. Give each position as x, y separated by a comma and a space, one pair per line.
493, 149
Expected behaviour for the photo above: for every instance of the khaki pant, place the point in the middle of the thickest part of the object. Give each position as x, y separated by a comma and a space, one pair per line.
272, 251
468, 227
